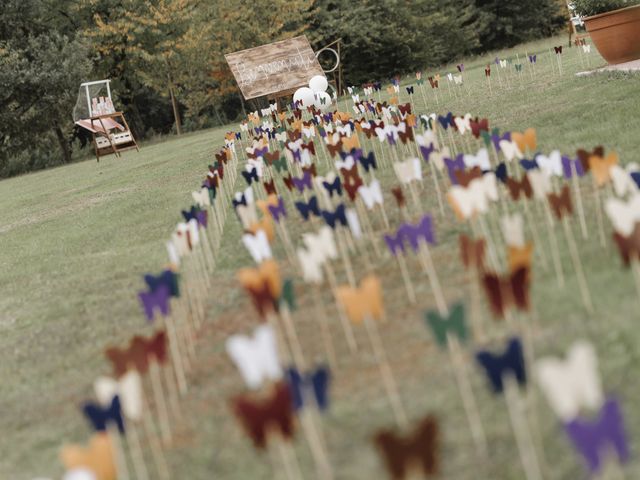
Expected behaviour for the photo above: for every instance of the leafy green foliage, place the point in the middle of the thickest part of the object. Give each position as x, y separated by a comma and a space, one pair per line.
587, 8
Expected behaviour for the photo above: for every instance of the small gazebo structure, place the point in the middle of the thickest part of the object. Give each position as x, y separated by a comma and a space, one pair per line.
94, 111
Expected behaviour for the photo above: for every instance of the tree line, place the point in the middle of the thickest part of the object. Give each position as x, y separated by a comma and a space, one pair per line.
165, 58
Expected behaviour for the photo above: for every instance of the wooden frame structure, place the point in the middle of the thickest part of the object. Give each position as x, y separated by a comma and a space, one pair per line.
111, 134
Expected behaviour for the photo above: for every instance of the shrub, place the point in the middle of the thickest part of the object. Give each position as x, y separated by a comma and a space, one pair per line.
587, 8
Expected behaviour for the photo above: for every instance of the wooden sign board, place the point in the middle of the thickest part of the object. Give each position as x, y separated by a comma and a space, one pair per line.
274, 68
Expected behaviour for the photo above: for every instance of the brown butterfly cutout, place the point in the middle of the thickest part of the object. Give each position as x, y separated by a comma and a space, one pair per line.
263, 284
270, 187
512, 290
259, 417
419, 449
334, 149
288, 182
405, 109
399, 196
310, 146
294, 135
406, 136
271, 157
472, 252
517, 188
138, 354
583, 156
561, 203
297, 114
221, 156
629, 247
464, 177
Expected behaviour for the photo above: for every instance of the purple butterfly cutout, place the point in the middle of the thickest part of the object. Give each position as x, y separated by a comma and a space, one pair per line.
395, 243
511, 361
338, 215
356, 153
427, 151
156, 299
307, 209
391, 139
421, 230
497, 61
461, 67
592, 439
278, 211
571, 166
301, 183
453, 165
334, 187
496, 139
446, 121
533, 58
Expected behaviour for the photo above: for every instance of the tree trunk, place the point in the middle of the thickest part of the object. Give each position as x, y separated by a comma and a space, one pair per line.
176, 113
64, 144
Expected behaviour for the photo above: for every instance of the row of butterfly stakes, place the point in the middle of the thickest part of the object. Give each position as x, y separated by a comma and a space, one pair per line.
277, 159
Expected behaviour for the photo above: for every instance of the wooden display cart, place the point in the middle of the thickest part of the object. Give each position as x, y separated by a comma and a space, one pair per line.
111, 134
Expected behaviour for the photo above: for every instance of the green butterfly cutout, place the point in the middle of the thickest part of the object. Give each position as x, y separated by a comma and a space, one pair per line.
287, 296
281, 164
442, 326
212, 194
518, 67
486, 136
420, 82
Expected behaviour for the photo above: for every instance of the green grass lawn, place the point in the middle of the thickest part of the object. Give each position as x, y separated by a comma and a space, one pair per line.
75, 240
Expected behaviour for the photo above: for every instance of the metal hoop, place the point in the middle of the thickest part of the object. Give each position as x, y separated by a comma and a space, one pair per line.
337, 59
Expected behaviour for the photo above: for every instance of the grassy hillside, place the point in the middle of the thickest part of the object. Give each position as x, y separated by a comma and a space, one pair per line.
75, 240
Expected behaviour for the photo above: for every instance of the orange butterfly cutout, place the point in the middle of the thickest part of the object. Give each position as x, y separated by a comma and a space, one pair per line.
472, 252
342, 116
601, 167
97, 457
263, 283
394, 100
265, 224
349, 143
519, 257
364, 301
525, 140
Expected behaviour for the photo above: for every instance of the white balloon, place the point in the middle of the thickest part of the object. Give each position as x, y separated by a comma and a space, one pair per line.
318, 83
327, 101
305, 95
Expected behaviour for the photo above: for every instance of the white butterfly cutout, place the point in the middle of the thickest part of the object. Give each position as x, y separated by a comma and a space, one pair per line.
354, 222
480, 159
623, 215
255, 164
347, 163
344, 129
512, 230
540, 181
551, 164
396, 88
258, 245
368, 90
247, 214
321, 243
202, 197
267, 125
450, 77
79, 474
265, 111
356, 109
409, 170
180, 240
244, 127
295, 146
427, 138
311, 266
503, 63
623, 184
172, 252
273, 107
463, 124
572, 384
355, 98
281, 137
194, 232
510, 150
458, 79
586, 48
371, 194
256, 357
476, 196
129, 390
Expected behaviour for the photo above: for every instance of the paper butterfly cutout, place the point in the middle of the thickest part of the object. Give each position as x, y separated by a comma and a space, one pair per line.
464, 178
623, 215
313, 386
453, 165
306, 209
337, 216
304, 182
97, 457
368, 162
507, 291
419, 449
600, 167
475, 198
497, 366
409, 170
157, 299
510, 150
551, 164
526, 140
202, 197
263, 285
423, 230
520, 257
584, 156
256, 358
257, 245
629, 246
250, 175
529, 164
311, 264
332, 187
363, 301
540, 183
623, 182
533, 58
399, 196
480, 159
518, 188
128, 389
321, 245
79, 474
561, 203
277, 211
558, 50
592, 439
99, 416
261, 417
472, 252
372, 194
354, 223
573, 384
512, 230
454, 323
138, 354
